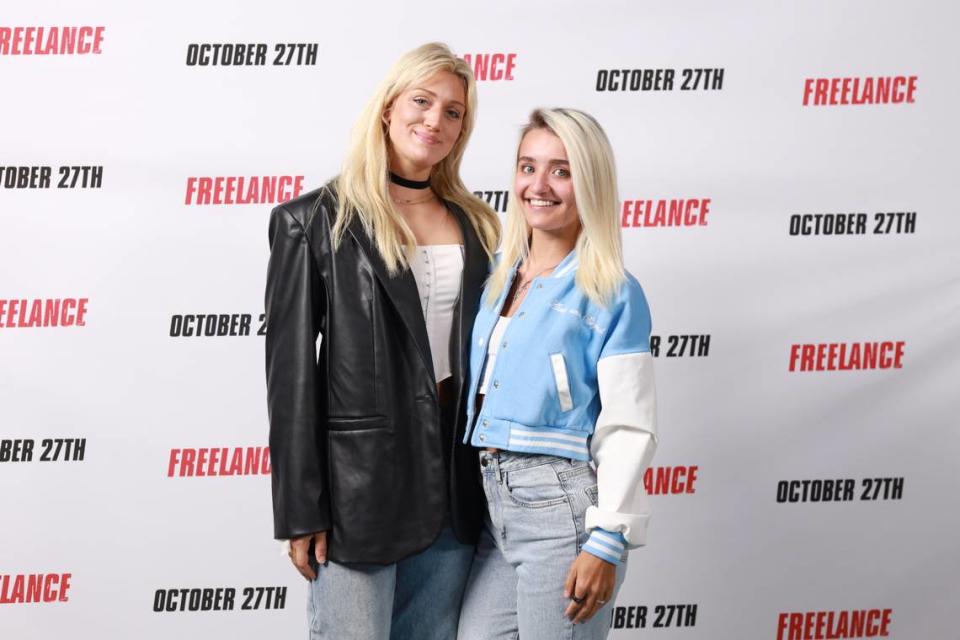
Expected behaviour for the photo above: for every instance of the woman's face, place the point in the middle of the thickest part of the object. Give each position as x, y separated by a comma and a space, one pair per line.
543, 184
424, 122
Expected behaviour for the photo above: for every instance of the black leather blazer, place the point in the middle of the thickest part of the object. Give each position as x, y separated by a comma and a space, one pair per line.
359, 442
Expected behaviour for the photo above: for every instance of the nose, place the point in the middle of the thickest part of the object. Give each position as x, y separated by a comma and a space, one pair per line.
540, 183
431, 118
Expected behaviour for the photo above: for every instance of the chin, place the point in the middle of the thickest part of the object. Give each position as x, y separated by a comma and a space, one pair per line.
546, 221
540, 222
416, 159
540, 214
425, 153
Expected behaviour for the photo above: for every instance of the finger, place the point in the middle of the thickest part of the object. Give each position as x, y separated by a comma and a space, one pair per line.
602, 600
569, 586
570, 583
578, 600
572, 609
302, 563
298, 554
606, 593
587, 610
586, 616
320, 547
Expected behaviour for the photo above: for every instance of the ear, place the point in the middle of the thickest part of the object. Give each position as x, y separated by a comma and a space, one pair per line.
385, 117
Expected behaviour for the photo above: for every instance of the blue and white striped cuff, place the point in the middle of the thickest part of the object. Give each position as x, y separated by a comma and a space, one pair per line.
549, 442
606, 545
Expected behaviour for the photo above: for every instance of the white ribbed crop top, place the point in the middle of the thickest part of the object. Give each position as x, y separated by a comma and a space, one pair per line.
438, 270
492, 347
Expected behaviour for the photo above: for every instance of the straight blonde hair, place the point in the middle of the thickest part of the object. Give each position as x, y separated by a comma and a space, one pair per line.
363, 179
600, 271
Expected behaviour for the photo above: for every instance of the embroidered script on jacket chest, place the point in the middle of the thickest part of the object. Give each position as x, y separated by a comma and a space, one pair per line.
586, 319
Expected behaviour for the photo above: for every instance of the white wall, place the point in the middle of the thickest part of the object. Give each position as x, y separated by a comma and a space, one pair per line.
123, 529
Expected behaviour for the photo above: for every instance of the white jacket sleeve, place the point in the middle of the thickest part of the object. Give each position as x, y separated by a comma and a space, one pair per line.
623, 444
625, 435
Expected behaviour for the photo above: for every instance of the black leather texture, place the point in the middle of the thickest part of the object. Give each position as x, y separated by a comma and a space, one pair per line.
361, 445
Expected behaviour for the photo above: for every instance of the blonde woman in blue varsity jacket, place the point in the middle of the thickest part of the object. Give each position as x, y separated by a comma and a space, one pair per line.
561, 403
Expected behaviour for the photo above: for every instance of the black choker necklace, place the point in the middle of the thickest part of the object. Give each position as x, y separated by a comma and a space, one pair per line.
409, 184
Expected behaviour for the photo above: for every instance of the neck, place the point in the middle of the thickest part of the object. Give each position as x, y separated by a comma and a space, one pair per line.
404, 195
410, 184
409, 170
551, 247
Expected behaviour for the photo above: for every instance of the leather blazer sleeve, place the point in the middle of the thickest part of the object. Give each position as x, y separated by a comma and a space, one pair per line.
295, 310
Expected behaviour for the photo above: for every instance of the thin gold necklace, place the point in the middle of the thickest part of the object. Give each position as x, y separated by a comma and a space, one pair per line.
524, 285
421, 201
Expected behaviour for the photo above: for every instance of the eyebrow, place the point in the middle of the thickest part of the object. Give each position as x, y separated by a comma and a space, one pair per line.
554, 161
435, 95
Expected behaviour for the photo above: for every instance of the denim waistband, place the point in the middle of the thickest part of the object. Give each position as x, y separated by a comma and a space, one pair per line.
512, 461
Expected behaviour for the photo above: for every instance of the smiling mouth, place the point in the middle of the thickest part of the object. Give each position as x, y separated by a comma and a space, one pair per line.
539, 202
426, 138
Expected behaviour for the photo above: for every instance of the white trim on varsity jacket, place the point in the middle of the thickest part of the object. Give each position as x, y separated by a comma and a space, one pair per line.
574, 379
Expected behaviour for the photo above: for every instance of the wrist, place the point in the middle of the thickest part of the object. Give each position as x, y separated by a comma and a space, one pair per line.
606, 545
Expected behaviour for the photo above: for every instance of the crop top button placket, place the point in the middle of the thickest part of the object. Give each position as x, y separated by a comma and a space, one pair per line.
438, 272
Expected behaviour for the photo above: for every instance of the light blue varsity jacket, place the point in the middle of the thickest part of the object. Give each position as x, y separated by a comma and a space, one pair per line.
574, 379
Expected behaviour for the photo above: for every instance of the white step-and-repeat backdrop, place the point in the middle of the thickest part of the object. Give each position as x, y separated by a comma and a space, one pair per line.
788, 176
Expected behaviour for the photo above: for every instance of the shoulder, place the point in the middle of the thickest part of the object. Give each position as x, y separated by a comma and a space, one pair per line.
308, 208
630, 296
627, 319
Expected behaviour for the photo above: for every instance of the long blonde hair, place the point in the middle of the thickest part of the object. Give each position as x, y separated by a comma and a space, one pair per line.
362, 183
593, 171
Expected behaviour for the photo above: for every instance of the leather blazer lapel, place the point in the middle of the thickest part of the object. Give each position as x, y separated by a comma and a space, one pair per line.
402, 291
475, 271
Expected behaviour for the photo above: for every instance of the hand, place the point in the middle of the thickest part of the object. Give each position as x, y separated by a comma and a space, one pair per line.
591, 581
300, 552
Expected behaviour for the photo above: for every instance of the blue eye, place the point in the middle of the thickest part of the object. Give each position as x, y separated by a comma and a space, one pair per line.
561, 173
453, 113
526, 168
420, 101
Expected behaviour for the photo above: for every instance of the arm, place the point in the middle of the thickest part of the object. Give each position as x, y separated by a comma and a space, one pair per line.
622, 445
625, 436
295, 306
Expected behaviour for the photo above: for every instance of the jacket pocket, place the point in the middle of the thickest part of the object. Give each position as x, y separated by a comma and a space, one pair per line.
360, 423
363, 484
559, 366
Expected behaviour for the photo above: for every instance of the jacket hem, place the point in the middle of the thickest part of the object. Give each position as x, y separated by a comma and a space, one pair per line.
503, 434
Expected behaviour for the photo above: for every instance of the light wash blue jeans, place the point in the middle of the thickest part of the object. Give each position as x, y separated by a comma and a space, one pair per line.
418, 597
535, 529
